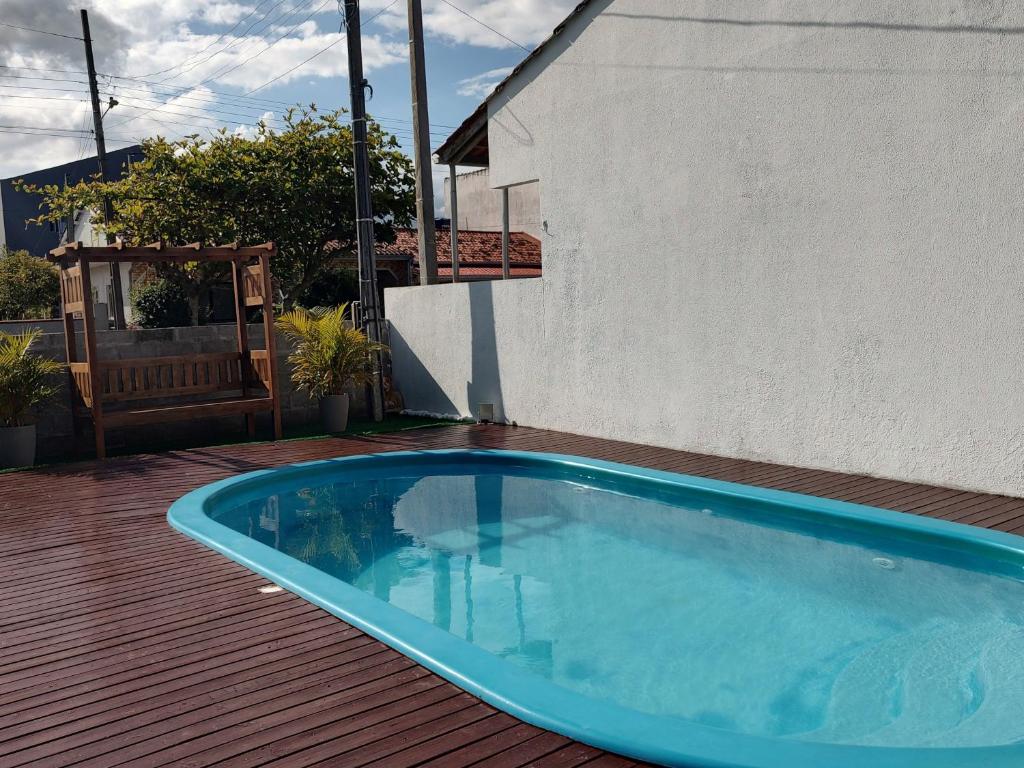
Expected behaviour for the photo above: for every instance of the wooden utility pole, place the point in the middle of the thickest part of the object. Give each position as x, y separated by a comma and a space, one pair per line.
364, 206
101, 161
421, 143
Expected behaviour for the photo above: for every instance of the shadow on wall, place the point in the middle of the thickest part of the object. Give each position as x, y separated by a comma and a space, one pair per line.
484, 385
423, 392
420, 388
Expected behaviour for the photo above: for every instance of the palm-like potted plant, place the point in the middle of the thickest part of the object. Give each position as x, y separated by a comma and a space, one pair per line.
328, 356
26, 382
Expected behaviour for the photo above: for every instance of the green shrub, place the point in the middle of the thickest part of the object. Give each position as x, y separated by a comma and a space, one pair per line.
29, 286
160, 303
26, 380
328, 354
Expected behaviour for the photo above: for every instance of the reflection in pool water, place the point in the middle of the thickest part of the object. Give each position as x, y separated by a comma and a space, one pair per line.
756, 622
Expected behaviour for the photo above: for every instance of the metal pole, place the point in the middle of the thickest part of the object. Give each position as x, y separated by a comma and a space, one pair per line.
101, 161
454, 191
421, 143
506, 268
364, 207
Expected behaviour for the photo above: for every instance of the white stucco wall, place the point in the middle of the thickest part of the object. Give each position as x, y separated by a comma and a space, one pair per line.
480, 204
796, 237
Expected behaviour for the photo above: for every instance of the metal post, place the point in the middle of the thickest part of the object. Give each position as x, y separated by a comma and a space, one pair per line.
364, 206
101, 161
454, 213
506, 268
421, 143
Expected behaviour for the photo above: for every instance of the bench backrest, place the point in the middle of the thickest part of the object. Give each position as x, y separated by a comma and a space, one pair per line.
166, 377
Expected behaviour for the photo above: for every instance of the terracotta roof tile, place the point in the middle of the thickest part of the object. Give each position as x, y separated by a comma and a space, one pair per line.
474, 246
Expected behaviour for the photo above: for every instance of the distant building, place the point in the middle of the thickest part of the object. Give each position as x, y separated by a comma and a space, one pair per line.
16, 207
480, 205
398, 263
479, 256
39, 239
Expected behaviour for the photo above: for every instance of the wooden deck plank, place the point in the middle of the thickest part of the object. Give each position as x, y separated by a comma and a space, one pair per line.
126, 644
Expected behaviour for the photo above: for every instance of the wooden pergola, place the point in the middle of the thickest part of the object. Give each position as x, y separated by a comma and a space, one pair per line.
145, 390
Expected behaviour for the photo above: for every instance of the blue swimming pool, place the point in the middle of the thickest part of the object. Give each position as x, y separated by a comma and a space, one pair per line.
671, 618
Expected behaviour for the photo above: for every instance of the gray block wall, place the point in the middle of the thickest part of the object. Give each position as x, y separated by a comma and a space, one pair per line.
55, 431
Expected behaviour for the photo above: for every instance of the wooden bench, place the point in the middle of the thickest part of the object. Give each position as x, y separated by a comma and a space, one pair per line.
218, 384
138, 391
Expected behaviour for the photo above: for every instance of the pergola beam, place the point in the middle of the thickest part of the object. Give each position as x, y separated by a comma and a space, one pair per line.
156, 252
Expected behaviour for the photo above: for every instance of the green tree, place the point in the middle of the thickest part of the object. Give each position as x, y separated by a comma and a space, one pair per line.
29, 286
293, 186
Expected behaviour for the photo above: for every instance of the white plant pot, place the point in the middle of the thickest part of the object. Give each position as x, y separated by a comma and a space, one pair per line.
17, 446
334, 412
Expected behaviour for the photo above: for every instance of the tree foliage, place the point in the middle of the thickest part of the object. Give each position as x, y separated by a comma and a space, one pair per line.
29, 286
293, 186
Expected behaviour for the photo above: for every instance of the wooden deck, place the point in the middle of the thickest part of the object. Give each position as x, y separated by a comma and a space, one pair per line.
125, 643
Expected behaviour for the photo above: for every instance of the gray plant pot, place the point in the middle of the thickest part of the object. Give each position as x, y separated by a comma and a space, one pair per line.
17, 446
334, 412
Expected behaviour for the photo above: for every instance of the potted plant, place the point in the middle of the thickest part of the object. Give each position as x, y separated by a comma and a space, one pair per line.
328, 356
26, 381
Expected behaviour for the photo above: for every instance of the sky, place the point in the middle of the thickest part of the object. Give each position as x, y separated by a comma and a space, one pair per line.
178, 67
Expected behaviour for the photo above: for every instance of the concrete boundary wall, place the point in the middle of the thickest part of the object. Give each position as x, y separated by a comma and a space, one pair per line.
786, 231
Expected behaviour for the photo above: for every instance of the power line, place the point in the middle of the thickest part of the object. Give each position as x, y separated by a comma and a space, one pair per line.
208, 47
237, 96
44, 79
43, 128
39, 31
220, 74
319, 53
241, 37
177, 110
46, 69
73, 137
45, 98
400, 133
44, 88
164, 106
144, 111
467, 14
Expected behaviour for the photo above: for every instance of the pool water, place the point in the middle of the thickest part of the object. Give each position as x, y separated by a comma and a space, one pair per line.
754, 618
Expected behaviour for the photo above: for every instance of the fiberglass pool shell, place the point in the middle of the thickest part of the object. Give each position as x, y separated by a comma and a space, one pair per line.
670, 618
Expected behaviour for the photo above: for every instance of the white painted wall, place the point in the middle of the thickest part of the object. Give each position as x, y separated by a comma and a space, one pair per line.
480, 204
793, 242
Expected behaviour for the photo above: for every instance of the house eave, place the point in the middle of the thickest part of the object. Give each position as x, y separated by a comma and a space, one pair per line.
468, 143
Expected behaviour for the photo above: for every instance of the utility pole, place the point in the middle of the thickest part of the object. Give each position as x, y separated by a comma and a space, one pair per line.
421, 143
101, 160
364, 205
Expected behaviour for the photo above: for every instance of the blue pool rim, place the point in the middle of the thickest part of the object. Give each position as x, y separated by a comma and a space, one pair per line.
659, 739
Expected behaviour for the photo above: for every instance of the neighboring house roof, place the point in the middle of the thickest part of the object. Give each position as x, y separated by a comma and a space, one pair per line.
474, 246
479, 253
16, 207
476, 122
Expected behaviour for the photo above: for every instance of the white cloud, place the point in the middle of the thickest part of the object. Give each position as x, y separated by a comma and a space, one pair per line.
527, 22
249, 131
481, 85
250, 62
59, 117
225, 13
